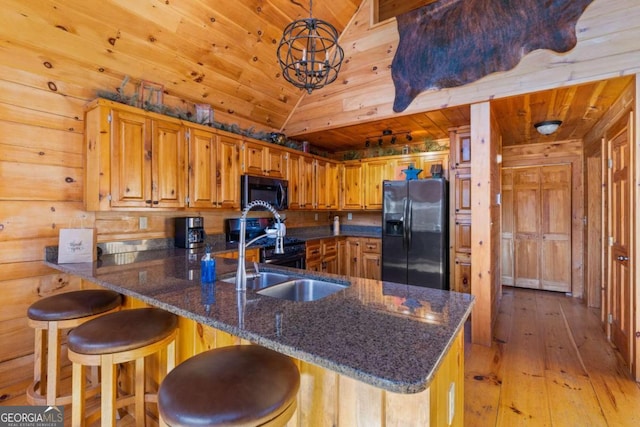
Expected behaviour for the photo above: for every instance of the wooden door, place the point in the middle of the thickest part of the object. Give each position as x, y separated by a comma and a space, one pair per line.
131, 160
506, 242
620, 297
526, 211
538, 210
555, 193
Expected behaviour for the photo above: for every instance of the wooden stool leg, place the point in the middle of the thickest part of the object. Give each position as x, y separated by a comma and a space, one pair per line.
53, 362
39, 364
78, 396
139, 391
108, 398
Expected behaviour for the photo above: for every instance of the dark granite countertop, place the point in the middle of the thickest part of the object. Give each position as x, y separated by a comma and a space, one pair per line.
389, 335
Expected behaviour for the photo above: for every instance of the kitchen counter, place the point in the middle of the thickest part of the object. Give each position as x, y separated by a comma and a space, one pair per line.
387, 335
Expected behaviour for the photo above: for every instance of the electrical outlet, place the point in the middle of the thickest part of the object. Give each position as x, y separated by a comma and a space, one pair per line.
316, 217
142, 223
349, 216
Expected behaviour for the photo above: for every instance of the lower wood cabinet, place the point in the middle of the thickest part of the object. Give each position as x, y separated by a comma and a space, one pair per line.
462, 274
371, 255
322, 255
251, 254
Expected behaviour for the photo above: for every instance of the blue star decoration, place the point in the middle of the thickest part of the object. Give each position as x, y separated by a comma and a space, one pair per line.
411, 172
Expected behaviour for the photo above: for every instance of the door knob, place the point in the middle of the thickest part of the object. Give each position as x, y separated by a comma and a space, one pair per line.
623, 258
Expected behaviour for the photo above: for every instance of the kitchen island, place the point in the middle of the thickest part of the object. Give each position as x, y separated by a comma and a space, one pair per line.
375, 353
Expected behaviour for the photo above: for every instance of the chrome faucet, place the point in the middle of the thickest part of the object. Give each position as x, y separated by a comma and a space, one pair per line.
241, 273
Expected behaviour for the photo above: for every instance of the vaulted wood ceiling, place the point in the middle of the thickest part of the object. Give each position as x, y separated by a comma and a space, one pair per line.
222, 53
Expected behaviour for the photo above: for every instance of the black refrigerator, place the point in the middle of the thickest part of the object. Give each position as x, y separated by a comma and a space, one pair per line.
415, 232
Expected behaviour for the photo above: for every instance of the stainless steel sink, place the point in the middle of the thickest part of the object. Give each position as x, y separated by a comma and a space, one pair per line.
261, 280
302, 289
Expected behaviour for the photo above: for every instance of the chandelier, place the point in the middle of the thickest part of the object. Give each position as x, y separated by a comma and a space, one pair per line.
309, 54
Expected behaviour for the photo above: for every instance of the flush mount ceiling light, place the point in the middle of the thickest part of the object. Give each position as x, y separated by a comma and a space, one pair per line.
547, 127
309, 54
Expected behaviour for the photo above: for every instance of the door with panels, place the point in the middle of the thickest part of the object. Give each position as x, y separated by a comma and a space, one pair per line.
538, 211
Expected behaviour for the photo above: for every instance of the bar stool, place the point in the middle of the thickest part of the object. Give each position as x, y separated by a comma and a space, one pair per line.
115, 338
49, 316
241, 385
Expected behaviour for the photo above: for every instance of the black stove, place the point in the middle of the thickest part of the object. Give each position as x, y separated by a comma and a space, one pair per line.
294, 248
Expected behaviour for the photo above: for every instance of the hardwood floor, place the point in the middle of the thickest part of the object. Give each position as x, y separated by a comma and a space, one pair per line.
550, 365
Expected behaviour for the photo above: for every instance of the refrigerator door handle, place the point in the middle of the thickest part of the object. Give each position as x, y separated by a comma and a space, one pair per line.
405, 226
409, 223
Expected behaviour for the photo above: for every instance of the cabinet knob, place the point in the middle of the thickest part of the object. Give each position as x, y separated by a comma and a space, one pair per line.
148, 202
155, 202
465, 281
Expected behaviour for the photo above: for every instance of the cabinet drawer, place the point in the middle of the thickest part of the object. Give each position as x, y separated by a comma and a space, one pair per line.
371, 246
313, 250
329, 247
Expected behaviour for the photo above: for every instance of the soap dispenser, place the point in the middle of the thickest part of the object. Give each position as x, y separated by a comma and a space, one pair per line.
207, 267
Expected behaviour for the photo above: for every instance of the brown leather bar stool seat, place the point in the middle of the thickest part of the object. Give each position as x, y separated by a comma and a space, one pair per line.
242, 385
49, 316
128, 335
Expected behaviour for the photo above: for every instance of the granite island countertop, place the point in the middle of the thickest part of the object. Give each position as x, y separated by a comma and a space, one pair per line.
388, 335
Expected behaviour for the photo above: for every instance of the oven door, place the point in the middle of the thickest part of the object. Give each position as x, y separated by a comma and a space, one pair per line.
287, 260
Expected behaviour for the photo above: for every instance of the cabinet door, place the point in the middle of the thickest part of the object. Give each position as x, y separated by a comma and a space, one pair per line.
374, 173
276, 165
353, 253
332, 180
321, 184
352, 193
202, 168
462, 193
168, 169
461, 148
308, 183
463, 234
228, 172
130, 160
296, 180
462, 274
371, 266
255, 158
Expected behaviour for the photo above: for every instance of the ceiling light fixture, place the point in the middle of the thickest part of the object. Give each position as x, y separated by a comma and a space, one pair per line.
309, 54
547, 127
388, 133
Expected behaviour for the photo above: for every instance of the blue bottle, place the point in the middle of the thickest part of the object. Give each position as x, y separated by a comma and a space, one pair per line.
207, 267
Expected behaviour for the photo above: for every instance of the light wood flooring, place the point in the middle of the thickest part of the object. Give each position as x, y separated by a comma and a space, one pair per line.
550, 365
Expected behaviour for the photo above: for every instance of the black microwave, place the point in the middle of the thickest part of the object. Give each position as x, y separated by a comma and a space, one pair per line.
271, 190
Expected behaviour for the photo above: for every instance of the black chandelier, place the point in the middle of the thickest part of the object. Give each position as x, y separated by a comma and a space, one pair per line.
309, 54
385, 133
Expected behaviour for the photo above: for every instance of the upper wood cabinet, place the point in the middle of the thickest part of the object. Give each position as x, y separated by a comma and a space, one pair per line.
301, 177
214, 169
352, 192
133, 159
327, 184
148, 167
375, 171
264, 160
